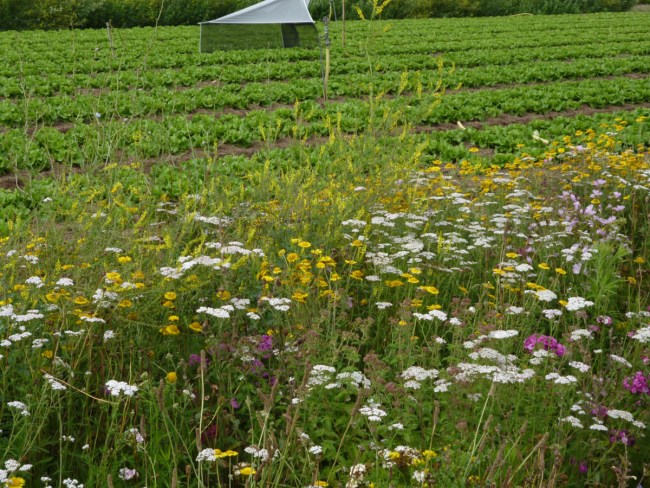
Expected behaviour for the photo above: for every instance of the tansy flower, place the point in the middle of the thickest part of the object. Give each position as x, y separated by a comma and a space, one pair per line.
170, 330
299, 296
14, 482
292, 257
543, 266
124, 259
430, 289
222, 454
170, 295
304, 244
196, 327
560, 271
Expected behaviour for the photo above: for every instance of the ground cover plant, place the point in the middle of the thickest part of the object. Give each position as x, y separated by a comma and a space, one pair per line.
391, 299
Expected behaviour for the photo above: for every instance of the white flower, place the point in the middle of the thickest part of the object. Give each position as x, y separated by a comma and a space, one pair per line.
316, 450
552, 313
642, 335
258, 453
220, 313
598, 427
115, 388
54, 384
503, 334
127, 474
65, 282
577, 303
372, 412
20, 406
108, 335
396, 426
561, 380
545, 295
582, 367
206, 455
620, 360
515, 310
36, 281
383, 305
573, 421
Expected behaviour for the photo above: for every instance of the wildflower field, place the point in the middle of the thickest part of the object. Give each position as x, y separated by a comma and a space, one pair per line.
210, 276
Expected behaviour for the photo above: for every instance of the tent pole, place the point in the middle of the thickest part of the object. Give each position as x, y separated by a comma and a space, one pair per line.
327, 56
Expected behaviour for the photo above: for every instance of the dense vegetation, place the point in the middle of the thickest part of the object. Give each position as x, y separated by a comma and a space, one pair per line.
210, 276
57, 14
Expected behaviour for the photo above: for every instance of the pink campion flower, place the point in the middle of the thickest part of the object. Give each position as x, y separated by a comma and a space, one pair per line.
547, 342
637, 384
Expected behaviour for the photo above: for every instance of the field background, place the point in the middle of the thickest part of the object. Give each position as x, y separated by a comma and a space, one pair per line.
212, 276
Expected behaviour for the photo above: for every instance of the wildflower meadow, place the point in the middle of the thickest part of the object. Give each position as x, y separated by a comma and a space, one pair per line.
363, 312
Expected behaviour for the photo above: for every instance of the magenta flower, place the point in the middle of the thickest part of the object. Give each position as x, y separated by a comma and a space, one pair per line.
637, 384
547, 342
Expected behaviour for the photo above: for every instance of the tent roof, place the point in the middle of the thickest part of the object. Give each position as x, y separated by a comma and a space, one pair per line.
269, 12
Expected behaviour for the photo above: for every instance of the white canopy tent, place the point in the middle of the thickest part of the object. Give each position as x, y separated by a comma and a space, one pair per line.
270, 23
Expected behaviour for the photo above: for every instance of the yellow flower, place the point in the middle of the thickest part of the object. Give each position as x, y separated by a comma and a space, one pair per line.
171, 377
292, 257
47, 354
631, 280
543, 266
357, 274
299, 296
498, 271
394, 283
113, 276
138, 275
15, 482
168, 304
170, 295
428, 454
247, 471
222, 454
170, 330
473, 149
394, 455
224, 295
512, 255
356, 243
81, 301
560, 271
125, 304
321, 483
304, 244
639, 260
173, 318
430, 289
124, 259
196, 327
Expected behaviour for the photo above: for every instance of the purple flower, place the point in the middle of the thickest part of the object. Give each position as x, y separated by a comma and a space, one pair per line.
605, 320
637, 384
266, 343
547, 342
583, 467
623, 436
234, 403
599, 411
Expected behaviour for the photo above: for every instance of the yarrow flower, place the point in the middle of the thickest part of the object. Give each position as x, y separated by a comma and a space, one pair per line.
116, 388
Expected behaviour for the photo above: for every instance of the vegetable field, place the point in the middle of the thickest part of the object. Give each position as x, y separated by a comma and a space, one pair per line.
68, 98
212, 276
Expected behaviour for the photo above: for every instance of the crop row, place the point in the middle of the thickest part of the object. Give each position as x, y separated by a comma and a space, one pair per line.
148, 50
106, 140
163, 101
476, 68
